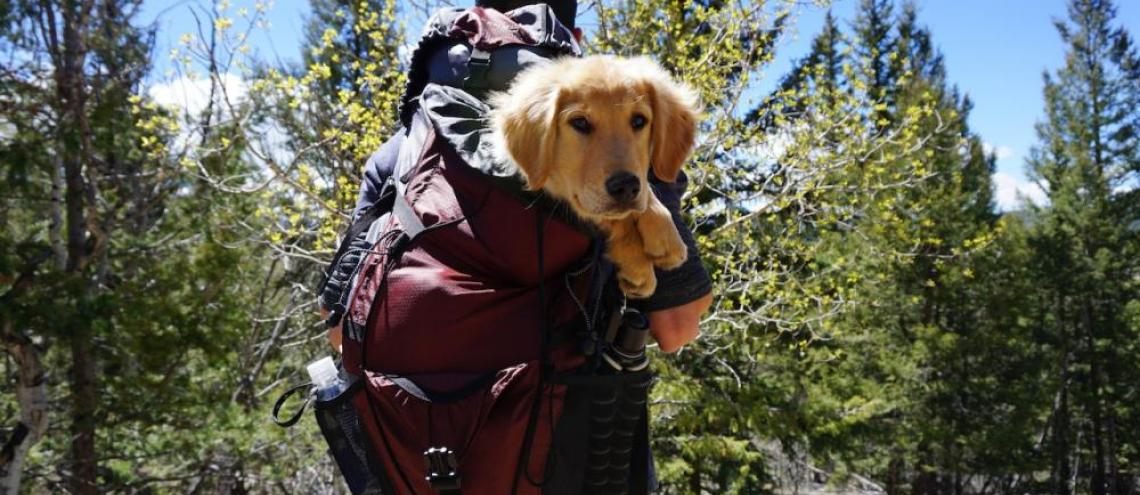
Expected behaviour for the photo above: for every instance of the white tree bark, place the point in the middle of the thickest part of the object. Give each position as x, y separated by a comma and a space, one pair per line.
31, 395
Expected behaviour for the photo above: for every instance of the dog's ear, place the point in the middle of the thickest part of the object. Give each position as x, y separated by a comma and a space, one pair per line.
674, 122
525, 119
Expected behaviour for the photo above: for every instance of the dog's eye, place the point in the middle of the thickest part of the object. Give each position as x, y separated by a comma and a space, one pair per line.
582, 125
638, 121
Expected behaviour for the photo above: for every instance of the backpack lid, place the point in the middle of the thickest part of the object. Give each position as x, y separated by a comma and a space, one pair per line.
496, 45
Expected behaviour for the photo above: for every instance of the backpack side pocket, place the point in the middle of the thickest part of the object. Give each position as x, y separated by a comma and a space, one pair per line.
349, 444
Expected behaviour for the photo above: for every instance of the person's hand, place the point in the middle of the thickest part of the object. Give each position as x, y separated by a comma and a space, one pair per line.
674, 327
334, 332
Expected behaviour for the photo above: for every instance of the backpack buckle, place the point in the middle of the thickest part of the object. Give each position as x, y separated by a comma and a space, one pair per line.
442, 469
478, 65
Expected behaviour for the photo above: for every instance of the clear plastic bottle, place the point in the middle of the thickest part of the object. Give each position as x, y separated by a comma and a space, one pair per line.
326, 379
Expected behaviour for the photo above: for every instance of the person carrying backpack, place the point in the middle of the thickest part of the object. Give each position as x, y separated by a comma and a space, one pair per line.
493, 349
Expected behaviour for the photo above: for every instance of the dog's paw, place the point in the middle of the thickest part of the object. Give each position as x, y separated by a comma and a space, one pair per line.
660, 239
674, 256
665, 248
637, 283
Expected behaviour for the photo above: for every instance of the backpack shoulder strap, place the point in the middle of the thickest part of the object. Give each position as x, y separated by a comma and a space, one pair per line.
359, 226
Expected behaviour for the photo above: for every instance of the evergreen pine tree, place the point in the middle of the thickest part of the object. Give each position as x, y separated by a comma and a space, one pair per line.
104, 227
873, 44
1084, 242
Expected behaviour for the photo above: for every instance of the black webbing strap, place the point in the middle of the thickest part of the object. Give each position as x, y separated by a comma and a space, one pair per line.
523, 466
435, 396
291, 420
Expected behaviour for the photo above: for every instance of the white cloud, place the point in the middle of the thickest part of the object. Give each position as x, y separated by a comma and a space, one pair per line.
1010, 192
191, 94
1002, 152
188, 96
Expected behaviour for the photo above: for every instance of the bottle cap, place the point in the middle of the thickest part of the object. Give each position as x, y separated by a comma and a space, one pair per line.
322, 372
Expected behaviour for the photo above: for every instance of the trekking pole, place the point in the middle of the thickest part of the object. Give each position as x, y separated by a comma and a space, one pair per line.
627, 352
616, 409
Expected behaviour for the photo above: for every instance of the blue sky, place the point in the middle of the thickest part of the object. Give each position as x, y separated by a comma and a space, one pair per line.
995, 51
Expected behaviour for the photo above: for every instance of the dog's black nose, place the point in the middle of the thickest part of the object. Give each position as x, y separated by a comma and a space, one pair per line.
623, 186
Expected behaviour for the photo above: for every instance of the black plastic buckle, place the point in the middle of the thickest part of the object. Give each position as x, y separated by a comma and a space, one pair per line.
442, 469
335, 315
478, 65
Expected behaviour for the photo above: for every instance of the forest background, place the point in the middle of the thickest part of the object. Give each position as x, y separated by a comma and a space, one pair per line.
880, 325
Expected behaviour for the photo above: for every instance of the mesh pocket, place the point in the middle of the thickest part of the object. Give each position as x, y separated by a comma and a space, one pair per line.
349, 444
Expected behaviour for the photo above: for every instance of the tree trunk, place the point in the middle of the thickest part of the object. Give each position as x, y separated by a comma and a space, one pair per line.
894, 475
1115, 483
1061, 469
925, 480
55, 228
76, 150
31, 395
1097, 481
83, 404
695, 478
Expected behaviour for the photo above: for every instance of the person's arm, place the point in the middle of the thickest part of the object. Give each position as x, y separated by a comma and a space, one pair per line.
684, 293
674, 327
380, 166
334, 331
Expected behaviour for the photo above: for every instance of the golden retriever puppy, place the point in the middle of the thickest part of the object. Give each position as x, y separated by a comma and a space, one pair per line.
587, 131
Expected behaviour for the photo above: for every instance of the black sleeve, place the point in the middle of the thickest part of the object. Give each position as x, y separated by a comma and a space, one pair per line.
690, 281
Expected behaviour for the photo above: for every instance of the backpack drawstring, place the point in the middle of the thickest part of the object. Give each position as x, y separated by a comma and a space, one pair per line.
523, 465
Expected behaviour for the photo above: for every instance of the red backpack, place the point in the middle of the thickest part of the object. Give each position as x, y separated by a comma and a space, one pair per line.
483, 332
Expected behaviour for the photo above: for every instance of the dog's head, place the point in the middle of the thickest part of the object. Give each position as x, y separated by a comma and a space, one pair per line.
589, 130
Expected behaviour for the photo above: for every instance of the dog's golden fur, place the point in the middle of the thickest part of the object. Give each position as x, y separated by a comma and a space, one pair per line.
571, 124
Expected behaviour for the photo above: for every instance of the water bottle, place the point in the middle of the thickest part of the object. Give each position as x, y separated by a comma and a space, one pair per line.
326, 380
618, 409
